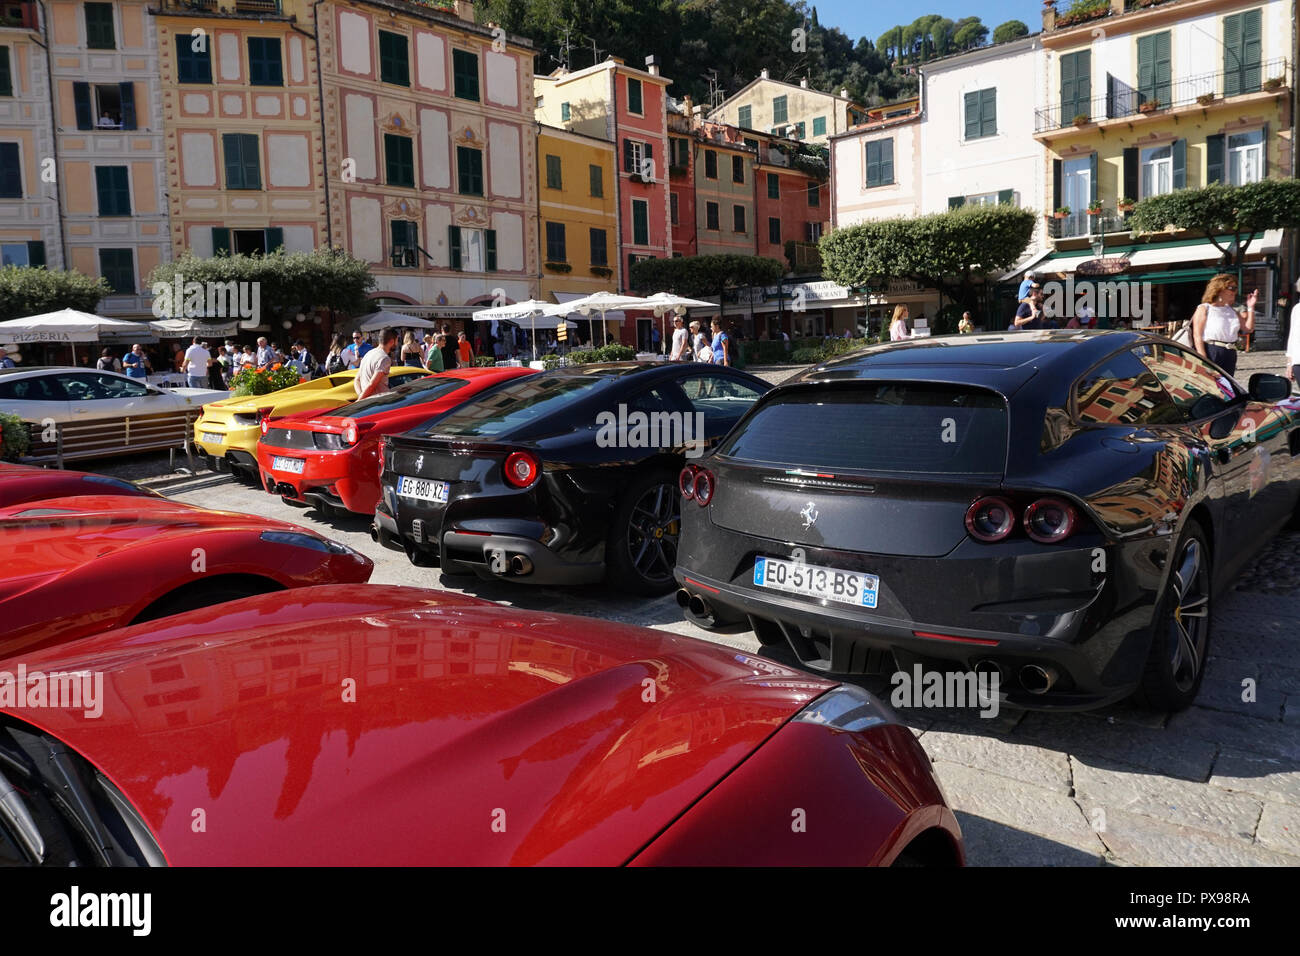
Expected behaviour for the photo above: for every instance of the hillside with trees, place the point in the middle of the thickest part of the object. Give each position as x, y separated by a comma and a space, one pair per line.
738, 38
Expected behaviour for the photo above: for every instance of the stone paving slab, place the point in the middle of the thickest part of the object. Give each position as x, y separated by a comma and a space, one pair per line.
1146, 841
1270, 778
1279, 829
1177, 756
1243, 733
1017, 759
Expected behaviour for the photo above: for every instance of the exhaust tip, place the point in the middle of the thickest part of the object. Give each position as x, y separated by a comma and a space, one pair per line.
990, 667
683, 598
700, 609
374, 532
1037, 679
520, 565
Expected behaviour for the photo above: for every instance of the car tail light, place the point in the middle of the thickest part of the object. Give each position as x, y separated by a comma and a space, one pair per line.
265, 425
521, 469
383, 444
353, 430
704, 484
990, 519
686, 482
1049, 520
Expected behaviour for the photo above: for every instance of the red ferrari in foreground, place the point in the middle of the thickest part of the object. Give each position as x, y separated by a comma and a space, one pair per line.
77, 566
331, 460
23, 483
396, 726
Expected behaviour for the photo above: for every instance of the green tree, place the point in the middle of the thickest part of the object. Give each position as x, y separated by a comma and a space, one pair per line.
969, 33
1009, 31
1220, 209
35, 290
705, 275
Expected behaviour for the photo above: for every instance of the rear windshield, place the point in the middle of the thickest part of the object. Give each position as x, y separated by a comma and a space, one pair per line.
413, 393
887, 427
518, 404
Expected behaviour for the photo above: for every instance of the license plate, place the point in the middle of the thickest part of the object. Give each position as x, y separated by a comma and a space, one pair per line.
426, 489
292, 465
831, 584
214, 437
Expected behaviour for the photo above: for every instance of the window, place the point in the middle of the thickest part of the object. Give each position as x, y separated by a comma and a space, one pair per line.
814, 194
737, 169
719, 397
672, 208
1241, 53
1077, 192
555, 250
31, 253
247, 242
634, 104
745, 117
1196, 387
738, 219
640, 222
1076, 85
800, 130
1246, 157
774, 230
469, 171
1157, 171
597, 177
469, 249
710, 164
117, 266
113, 186
553, 180
711, 216
265, 67
751, 144
104, 105
982, 113
99, 26
193, 66
243, 161
565, 113
465, 74
814, 231
983, 199
11, 172
406, 240
880, 162
98, 387
819, 125
6, 74
1123, 391
680, 152
1154, 68
394, 59
779, 111
773, 186
599, 248
635, 153
399, 161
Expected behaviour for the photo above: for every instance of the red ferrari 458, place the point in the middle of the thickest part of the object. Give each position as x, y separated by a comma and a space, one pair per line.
398, 726
23, 483
331, 460
76, 566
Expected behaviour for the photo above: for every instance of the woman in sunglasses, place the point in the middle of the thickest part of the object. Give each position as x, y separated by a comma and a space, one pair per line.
1218, 323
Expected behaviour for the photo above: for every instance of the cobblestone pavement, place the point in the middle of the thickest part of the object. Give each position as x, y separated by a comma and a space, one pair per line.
1218, 784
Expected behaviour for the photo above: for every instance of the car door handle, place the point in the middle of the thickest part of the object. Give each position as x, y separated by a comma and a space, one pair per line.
81, 411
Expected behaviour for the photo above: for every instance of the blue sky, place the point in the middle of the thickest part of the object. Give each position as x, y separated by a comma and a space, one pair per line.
866, 19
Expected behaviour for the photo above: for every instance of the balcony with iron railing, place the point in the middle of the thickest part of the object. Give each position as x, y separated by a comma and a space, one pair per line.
1081, 225
1067, 14
1124, 102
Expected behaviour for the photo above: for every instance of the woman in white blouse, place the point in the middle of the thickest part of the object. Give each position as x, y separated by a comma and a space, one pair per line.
898, 330
1293, 343
1218, 323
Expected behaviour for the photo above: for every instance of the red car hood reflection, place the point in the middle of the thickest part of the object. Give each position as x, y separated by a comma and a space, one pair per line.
382, 725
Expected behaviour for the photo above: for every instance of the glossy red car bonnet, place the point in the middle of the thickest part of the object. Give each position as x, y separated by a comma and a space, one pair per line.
77, 566
23, 483
382, 725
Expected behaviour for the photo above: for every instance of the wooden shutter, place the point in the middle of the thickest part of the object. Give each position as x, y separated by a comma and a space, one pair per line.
597, 180
972, 115
1006, 197
956, 202
127, 91
1076, 85
490, 249
81, 105
1056, 184
1092, 178
1263, 155
234, 164
1146, 68
989, 112
1214, 159
1180, 163
11, 173
6, 73
274, 238
35, 252
1132, 181
886, 161
629, 161
1163, 68
1250, 51
1232, 62
453, 246
220, 240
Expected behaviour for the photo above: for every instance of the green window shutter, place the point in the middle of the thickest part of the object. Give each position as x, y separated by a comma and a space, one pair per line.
819, 125
597, 180
956, 202
1132, 172
745, 117
640, 222
117, 266
81, 105
634, 104
469, 171
265, 67
972, 115
220, 240
1057, 183
252, 161
711, 216
774, 230
490, 249
780, 111
800, 130
112, 185
1092, 177
274, 238
394, 59
399, 160
6, 75
1164, 68
553, 180
1154, 68
773, 186
886, 162
629, 157
453, 246
1214, 159
465, 74
873, 164
1006, 197
191, 65
814, 194
35, 252
127, 93
738, 219
565, 112
988, 112
1076, 85
1146, 68
648, 151
1180, 163
710, 164
99, 26
1263, 156
599, 251
1251, 49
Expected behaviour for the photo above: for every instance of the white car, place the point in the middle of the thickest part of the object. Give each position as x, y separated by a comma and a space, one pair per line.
78, 394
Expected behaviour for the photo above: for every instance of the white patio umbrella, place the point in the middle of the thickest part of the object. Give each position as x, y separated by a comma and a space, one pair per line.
666, 302
383, 319
603, 302
66, 325
525, 314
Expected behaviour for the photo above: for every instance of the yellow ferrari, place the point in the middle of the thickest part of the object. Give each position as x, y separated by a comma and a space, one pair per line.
229, 428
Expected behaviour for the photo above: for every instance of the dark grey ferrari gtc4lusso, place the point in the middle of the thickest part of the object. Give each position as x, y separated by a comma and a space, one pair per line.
1058, 508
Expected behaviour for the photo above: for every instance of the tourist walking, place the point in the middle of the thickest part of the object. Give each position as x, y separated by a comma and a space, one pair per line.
1217, 323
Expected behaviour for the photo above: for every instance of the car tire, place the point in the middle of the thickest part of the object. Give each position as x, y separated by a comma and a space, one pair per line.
641, 550
1180, 637
200, 594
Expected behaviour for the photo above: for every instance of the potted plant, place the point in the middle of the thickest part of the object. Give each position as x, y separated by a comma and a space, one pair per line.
603, 271
559, 266
1082, 119
1205, 99
1125, 204
1094, 209
1062, 212
1274, 83
1149, 106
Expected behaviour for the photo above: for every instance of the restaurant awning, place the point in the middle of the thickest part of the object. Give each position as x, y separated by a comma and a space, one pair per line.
1143, 256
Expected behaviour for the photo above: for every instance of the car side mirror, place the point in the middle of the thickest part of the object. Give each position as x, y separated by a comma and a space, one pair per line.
1269, 388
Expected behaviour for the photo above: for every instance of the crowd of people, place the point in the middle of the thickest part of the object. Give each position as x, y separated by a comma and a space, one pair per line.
691, 343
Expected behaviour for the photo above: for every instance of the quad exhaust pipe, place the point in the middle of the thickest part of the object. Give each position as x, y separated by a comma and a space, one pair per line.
1037, 679
695, 604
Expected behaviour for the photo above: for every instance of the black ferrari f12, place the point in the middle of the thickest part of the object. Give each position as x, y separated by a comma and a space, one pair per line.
1058, 508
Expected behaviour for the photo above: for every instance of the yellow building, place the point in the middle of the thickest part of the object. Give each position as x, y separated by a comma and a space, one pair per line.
577, 211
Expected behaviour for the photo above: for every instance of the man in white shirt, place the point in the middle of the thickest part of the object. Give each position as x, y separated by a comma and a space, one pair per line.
681, 341
197, 360
372, 375
265, 354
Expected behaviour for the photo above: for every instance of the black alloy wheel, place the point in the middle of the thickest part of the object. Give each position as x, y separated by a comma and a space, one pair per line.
1181, 637
647, 525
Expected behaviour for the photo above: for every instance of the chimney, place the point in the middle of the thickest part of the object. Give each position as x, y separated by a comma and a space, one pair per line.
844, 93
763, 74
465, 10
804, 82
652, 65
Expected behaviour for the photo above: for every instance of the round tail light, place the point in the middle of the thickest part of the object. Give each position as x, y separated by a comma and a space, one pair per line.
265, 424
521, 469
686, 482
990, 519
704, 484
350, 433
1049, 520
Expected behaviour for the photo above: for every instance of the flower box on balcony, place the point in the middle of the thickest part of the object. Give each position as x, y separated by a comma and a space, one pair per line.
1274, 83
603, 271
1062, 213
1094, 210
1205, 99
1149, 106
1082, 119
559, 266
1125, 205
